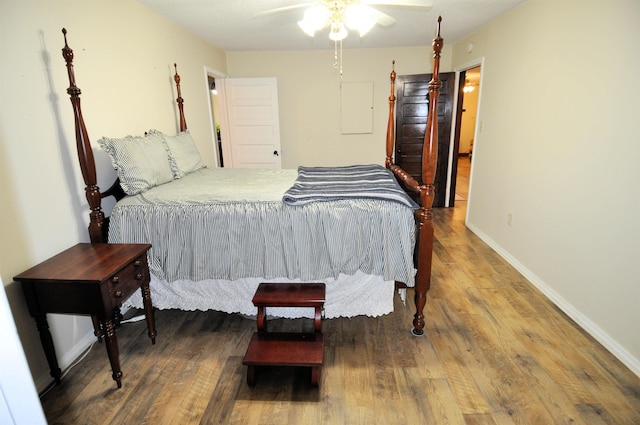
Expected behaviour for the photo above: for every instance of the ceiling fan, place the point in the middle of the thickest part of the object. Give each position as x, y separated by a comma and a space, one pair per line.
338, 15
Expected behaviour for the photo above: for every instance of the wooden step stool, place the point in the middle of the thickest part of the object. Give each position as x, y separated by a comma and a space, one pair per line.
287, 348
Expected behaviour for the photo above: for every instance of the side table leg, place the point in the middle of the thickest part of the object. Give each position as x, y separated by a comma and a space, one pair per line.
96, 327
148, 312
251, 375
117, 317
315, 376
47, 345
112, 351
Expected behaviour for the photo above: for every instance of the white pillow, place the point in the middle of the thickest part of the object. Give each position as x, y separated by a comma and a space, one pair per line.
186, 157
141, 162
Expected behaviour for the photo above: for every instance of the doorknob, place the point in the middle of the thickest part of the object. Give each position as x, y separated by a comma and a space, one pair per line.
276, 153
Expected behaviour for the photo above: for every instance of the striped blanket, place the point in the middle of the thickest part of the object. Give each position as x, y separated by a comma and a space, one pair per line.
316, 184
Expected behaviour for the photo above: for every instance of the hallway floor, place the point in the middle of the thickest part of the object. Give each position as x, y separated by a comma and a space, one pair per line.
462, 178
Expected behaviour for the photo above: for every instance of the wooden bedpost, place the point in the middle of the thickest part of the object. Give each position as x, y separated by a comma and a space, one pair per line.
427, 190
391, 132
97, 227
179, 100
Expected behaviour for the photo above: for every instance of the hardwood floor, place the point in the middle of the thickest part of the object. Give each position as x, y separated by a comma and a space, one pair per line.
495, 351
462, 178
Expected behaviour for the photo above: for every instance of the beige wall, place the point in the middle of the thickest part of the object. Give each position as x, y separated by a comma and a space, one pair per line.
559, 151
124, 56
309, 98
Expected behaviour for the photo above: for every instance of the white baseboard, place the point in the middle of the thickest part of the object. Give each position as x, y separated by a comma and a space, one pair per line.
576, 315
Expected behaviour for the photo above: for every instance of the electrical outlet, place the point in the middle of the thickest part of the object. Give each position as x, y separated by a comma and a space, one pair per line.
509, 219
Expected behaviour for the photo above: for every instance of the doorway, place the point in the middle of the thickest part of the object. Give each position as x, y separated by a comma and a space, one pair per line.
469, 85
215, 109
215, 112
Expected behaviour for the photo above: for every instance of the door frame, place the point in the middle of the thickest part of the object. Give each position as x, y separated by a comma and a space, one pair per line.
454, 142
453, 156
216, 75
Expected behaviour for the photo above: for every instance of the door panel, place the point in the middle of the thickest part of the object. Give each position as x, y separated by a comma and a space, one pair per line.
412, 111
253, 123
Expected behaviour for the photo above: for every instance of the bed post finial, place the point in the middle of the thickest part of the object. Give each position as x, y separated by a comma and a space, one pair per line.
97, 232
437, 43
67, 54
179, 100
390, 122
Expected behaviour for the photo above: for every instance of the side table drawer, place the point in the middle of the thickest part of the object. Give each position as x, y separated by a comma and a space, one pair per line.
128, 280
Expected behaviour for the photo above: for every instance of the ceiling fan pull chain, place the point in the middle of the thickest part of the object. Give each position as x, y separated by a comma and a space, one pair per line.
341, 59
337, 64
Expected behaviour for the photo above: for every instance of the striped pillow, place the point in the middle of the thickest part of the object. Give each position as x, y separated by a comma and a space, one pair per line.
141, 162
185, 157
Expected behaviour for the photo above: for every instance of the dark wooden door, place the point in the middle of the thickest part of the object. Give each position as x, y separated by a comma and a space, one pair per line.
412, 109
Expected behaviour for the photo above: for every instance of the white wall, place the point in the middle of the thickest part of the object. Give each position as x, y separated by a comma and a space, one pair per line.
559, 151
124, 57
309, 97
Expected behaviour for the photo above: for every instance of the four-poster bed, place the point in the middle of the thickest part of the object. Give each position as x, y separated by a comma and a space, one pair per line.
212, 249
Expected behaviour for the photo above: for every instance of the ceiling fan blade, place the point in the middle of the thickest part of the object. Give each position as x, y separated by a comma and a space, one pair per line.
283, 9
380, 17
400, 3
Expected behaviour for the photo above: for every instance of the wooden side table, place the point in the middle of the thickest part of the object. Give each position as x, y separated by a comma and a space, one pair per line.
287, 348
91, 279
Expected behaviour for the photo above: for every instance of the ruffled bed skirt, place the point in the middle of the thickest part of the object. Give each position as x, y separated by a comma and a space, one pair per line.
347, 296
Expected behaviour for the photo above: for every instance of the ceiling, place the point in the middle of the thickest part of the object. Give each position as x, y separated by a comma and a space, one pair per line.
233, 25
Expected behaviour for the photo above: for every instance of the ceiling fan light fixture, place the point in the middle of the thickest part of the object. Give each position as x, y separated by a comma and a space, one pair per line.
339, 15
338, 31
357, 17
307, 28
315, 18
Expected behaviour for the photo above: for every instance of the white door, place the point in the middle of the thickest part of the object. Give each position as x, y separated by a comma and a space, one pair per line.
252, 136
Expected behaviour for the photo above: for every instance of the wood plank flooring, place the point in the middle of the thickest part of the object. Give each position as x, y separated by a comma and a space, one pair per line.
495, 351
462, 178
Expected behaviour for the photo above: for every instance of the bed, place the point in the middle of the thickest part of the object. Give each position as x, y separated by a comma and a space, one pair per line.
361, 233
